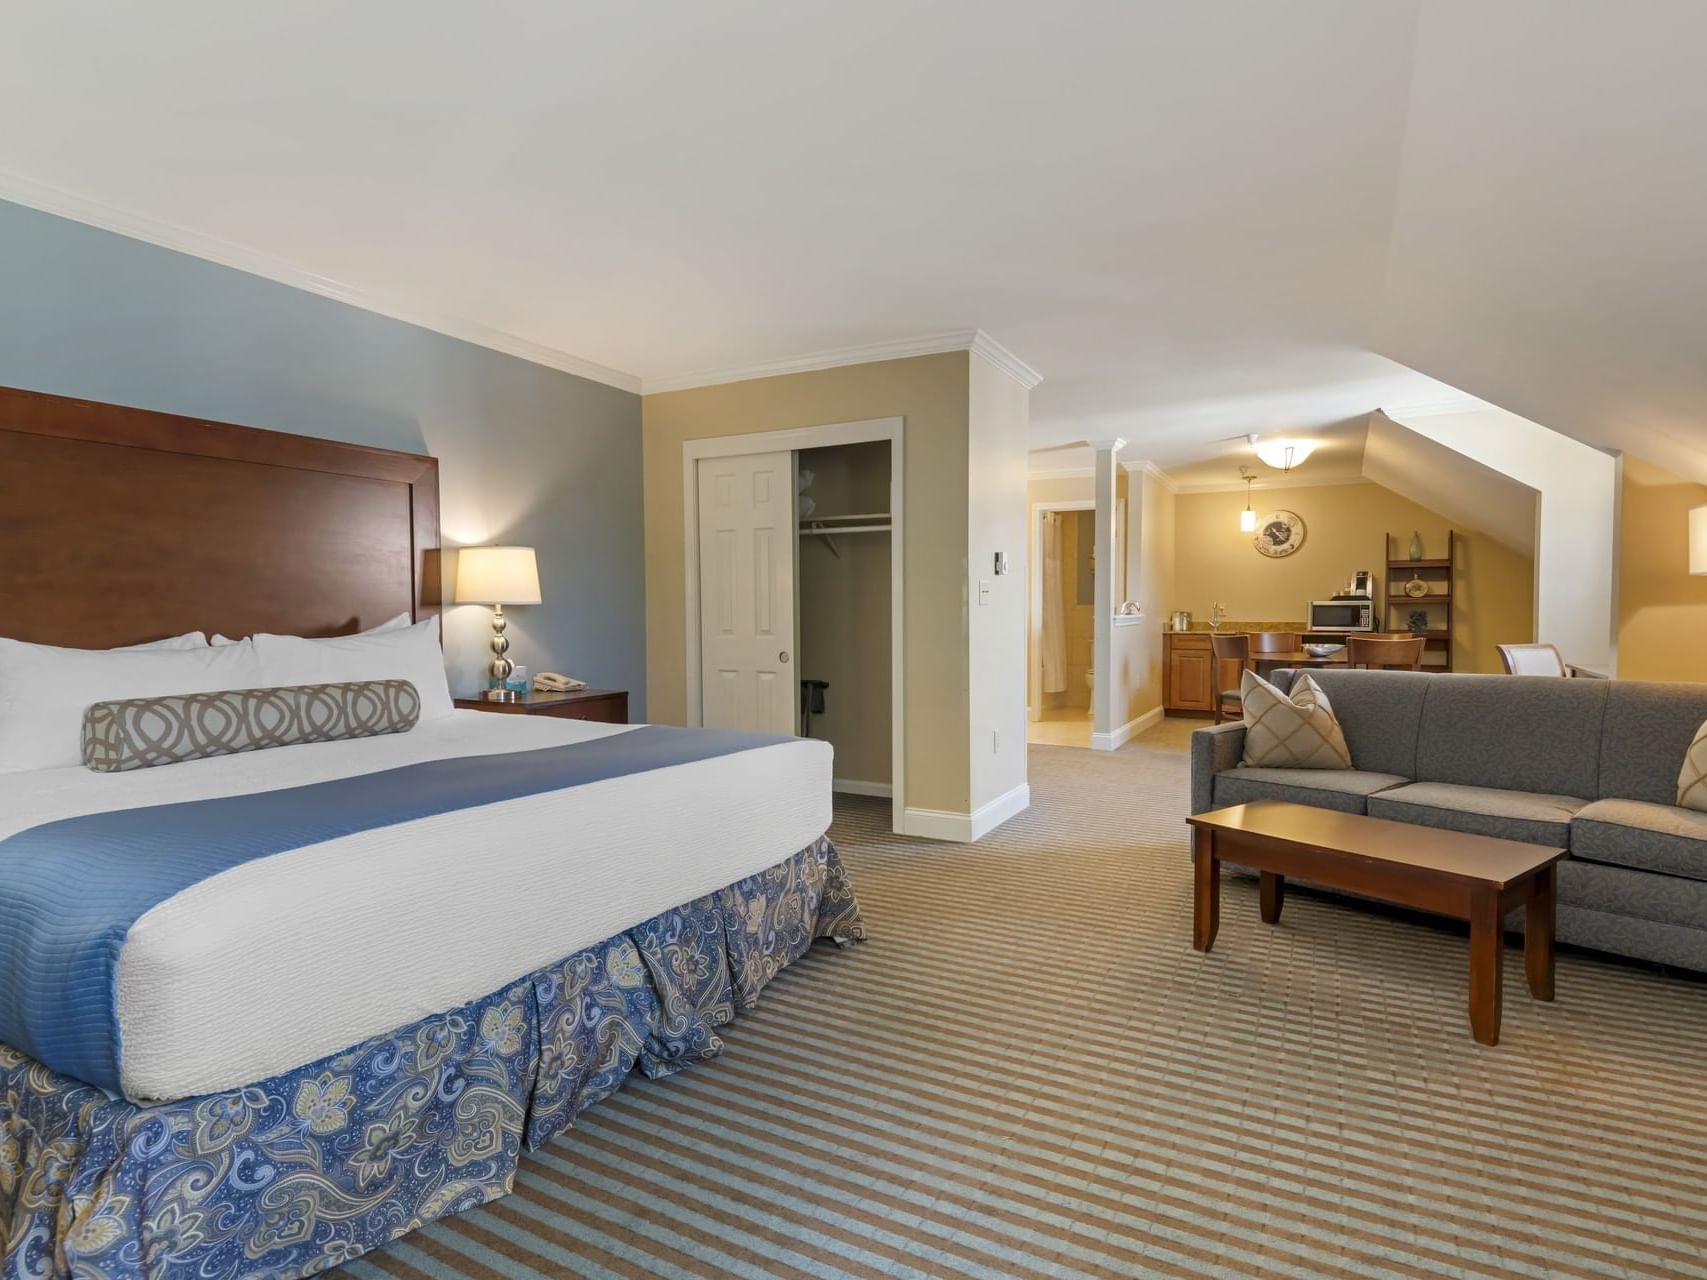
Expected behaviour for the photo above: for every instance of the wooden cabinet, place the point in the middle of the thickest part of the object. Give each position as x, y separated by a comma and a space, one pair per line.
1190, 666
609, 706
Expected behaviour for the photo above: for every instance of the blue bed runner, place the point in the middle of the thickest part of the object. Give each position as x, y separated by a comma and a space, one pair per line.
70, 890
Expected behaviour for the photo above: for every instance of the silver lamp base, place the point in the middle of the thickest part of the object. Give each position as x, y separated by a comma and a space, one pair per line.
500, 667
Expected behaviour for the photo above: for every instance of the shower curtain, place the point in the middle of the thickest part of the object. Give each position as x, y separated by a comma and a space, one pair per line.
1054, 608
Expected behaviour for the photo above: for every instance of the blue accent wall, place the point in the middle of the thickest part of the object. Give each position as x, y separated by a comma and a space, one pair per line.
527, 454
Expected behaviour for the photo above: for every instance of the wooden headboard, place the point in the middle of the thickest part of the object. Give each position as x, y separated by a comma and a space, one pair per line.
121, 525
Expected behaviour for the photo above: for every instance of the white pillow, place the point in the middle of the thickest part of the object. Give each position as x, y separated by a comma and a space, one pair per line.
411, 653
390, 624
45, 690
189, 640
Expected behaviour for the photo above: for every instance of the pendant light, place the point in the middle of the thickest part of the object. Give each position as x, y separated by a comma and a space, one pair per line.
1247, 517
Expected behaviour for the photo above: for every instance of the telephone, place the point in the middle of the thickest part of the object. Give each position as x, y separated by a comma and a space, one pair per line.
551, 682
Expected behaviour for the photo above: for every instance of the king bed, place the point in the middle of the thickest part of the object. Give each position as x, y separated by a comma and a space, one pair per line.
271, 1002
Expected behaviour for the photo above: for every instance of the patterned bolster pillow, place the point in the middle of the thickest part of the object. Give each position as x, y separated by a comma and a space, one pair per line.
140, 733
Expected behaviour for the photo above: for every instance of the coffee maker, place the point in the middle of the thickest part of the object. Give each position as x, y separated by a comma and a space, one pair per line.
1361, 587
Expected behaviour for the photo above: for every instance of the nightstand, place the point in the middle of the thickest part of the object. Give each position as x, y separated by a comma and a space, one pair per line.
609, 706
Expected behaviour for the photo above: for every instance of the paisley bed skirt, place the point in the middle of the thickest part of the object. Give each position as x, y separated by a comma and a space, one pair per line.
311, 1168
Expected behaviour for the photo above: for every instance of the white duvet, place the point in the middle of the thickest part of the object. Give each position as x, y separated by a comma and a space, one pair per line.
288, 958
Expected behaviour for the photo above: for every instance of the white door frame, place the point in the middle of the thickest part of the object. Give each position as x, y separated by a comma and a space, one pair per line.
795, 439
1034, 616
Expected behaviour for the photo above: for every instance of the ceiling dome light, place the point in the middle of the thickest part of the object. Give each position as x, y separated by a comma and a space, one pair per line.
1283, 454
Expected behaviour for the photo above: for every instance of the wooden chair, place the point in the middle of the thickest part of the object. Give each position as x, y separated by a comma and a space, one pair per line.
1274, 642
1388, 653
1235, 648
1532, 660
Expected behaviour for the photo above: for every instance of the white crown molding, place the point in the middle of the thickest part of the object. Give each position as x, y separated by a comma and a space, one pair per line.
984, 345
930, 344
37, 195
1114, 444
1145, 467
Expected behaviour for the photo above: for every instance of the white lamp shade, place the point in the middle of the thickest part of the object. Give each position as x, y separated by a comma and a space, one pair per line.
1698, 540
1247, 521
497, 575
1283, 454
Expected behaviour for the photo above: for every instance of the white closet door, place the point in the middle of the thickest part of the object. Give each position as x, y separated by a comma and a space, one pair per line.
746, 592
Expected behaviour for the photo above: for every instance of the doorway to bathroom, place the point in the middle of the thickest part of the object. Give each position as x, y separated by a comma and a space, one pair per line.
1063, 599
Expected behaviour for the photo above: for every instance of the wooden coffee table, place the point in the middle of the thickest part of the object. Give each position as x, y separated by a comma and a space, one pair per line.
1474, 878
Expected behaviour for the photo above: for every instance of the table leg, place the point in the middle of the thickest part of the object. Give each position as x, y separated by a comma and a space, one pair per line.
1487, 947
1271, 892
1538, 934
1206, 897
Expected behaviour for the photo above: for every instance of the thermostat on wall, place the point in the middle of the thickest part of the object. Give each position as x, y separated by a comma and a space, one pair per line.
1001, 563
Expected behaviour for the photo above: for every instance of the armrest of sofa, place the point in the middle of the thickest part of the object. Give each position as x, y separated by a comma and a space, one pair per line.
1214, 749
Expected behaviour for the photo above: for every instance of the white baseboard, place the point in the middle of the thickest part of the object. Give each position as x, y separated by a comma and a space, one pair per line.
1131, 729
854, 787
964, 828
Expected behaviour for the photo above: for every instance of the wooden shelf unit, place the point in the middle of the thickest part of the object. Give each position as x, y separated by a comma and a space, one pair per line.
1438, 573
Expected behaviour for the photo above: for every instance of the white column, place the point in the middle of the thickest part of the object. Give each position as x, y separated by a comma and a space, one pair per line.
1102, 622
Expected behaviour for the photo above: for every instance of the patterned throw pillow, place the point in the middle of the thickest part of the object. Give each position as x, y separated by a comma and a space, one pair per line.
1692, 781
1299, 732
140, 733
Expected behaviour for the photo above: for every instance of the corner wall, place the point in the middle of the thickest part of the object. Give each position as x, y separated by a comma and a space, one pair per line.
999, 421
1137, 671
932, 394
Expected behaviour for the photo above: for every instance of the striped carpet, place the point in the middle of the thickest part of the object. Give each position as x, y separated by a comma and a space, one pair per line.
1028, 1072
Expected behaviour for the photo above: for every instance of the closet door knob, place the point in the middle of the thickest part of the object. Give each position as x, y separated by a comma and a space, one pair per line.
783, 656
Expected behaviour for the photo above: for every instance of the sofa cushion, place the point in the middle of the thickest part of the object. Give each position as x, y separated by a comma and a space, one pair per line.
1651, 837
1624, 891
1483, 811
1379, 711
1343, 789
1648, 729
1514, 733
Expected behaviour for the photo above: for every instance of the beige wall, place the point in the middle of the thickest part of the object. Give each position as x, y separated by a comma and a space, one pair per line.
931, 393
1345, 524
998, 427
1138, 673
1662, 610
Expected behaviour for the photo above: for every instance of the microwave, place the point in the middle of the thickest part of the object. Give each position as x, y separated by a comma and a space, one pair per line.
1342, 615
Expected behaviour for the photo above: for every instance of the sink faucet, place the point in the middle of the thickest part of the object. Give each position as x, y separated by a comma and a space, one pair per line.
1217, 615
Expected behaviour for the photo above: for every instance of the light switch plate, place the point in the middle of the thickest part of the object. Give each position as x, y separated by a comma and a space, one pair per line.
984, 590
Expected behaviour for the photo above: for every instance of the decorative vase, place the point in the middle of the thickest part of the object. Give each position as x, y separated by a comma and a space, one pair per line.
1416, 546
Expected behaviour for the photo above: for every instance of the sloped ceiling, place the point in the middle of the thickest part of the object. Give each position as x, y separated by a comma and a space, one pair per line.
1549, 250
1195, 220
1467, 493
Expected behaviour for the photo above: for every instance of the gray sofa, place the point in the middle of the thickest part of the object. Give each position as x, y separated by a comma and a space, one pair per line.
1588, 765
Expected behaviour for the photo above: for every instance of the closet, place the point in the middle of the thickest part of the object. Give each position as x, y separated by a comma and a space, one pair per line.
842, 597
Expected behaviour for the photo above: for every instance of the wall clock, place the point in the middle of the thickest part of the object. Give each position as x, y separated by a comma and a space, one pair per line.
1279, 534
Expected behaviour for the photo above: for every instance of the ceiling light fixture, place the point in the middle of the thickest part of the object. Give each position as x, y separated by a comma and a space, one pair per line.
1282, 453
1248, 517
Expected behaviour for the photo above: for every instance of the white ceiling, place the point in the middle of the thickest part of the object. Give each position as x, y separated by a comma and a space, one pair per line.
1180, 215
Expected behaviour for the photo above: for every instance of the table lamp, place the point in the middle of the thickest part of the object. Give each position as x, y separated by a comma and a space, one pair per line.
497, 576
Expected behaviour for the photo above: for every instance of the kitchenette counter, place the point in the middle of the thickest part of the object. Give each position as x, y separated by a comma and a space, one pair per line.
1191, 679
